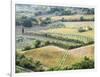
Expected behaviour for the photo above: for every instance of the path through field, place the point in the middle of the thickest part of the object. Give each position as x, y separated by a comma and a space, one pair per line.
53, 56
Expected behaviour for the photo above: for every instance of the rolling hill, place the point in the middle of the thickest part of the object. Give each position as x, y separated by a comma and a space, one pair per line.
52, 56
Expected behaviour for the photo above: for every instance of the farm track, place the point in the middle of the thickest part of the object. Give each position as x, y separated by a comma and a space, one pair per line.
73, 55
62, 60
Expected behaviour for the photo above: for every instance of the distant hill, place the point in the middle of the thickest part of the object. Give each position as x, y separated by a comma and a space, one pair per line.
55, 10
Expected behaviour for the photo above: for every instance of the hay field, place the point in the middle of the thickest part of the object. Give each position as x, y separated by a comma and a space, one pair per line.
52, 56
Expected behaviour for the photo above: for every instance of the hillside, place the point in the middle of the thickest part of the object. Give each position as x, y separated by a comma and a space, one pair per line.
83, 51
54, 38
52, 56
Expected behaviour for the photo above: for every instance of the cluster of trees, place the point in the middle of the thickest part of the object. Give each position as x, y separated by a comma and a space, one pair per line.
28, 63
29, 21
57, 25
36, 44
21, 69
24, 63
84, 29
65, 38
86, 63
88, 10
70, 11
46, 21
55, 10
66, 45
71, 41
32, 21
60, 11
82, 18
24, 21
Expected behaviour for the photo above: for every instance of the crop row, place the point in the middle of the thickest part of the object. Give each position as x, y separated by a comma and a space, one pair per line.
68, 37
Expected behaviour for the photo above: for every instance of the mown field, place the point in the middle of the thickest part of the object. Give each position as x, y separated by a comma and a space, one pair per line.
72, 28
52, 56
71, 18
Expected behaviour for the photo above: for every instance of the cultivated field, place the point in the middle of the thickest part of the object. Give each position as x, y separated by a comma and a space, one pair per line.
69, 17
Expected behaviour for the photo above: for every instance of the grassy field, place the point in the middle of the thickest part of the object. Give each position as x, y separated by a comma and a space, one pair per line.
79, 24
72, 28
69, 31
52, 56
70, 17
83, 51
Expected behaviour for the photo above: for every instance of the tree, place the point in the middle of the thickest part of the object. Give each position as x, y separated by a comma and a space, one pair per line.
90, 28
63, 19
28, 63
86, 63
22, 29
81, 18
35, 21
68, 12
27, 23
37, 43
46, 21
27, 48
81, 29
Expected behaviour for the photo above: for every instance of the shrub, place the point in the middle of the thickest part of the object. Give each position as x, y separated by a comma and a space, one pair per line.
47, 42
71, 41
37, 43
54, 69
27, 23
81, 29
90, 28
27, 48
68, 12
28, 63
35, 21
85, 64
18, 70
81, 18
46, 21
63, 19
18, 22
